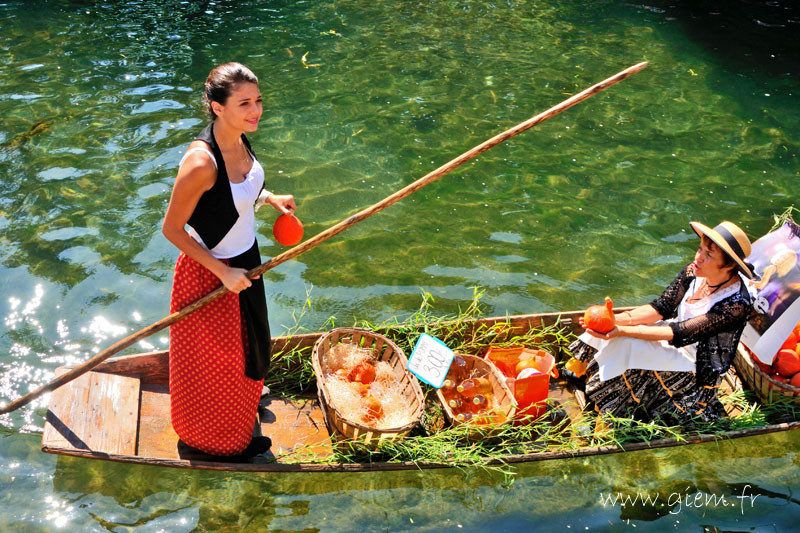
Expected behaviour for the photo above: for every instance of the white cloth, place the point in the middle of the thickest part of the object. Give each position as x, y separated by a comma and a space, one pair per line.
615, 356
241, 236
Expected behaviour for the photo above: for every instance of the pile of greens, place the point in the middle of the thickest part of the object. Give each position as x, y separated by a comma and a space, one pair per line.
435, 441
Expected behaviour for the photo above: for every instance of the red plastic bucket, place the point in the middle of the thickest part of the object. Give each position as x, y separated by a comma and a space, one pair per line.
529, 392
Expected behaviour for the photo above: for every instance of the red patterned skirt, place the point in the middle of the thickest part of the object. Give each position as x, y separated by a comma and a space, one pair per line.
213, 403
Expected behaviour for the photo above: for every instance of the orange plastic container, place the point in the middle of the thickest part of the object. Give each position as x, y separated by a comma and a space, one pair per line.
529, 392
505, 359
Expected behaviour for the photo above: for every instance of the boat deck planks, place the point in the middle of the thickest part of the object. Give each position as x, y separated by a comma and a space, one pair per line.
96, 416
295, 426
96, 413
156, 436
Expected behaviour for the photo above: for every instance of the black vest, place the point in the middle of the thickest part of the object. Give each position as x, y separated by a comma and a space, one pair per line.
215, 213
212, 219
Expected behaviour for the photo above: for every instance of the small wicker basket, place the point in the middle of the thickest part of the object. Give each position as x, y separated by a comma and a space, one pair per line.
385, 350
767, 389
503, 397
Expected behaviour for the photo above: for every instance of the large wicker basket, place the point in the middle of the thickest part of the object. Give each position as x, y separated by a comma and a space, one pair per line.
503, 397
384, 350
767, 389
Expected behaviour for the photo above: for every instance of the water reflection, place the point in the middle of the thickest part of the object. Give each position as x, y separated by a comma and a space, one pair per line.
59, 511
75, 144
756, 35
16, 317
687, 487
100, 328
39, 337
112, 168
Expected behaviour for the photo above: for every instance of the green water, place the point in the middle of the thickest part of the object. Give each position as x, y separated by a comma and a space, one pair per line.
99, 100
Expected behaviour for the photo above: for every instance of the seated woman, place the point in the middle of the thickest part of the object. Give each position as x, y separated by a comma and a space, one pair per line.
669, 357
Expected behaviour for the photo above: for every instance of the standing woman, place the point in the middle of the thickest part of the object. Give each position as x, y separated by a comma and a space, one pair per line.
219, 354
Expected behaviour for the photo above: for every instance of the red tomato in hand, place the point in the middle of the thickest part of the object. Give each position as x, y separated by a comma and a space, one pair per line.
600, 318
288, 230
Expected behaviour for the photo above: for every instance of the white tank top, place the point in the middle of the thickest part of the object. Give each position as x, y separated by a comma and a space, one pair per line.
687, 310
241, 236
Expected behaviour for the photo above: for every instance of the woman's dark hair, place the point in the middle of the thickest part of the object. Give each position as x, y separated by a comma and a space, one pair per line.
220, 83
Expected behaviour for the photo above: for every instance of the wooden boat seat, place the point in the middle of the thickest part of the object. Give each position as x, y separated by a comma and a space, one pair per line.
114, 416
103, 421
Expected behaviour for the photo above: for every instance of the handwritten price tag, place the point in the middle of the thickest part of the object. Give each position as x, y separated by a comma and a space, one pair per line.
430, 360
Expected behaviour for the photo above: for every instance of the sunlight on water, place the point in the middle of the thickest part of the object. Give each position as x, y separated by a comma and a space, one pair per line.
18, 316
101, 329
59, 511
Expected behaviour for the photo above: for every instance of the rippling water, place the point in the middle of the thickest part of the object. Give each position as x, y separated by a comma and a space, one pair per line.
99, 100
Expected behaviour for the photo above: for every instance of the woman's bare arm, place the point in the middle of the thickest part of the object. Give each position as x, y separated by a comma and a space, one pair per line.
644, 314
633, 323
195, 177
647, 333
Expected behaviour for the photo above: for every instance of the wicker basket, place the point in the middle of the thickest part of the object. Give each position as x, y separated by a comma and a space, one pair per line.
503, 397
385, 350
767, 389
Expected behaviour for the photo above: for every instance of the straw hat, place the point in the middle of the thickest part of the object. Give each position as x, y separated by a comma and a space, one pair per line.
731, 240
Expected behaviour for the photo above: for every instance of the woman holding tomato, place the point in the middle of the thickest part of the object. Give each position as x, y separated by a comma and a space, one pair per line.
669, 357
219, 354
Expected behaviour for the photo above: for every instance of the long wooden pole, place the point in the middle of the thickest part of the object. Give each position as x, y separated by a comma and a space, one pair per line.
324, 236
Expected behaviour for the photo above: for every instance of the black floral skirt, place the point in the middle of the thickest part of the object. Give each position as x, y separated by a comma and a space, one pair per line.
647, 394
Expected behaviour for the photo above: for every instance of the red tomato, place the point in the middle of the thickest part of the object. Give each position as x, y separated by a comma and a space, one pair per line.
288, 230
786, 363
765, 368
363, 373
600, 318
791, 342
372, 407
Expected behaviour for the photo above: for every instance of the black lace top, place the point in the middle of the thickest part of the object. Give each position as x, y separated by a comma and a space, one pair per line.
716, 333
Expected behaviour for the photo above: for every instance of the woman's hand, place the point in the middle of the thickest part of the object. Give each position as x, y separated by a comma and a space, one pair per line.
235, 279
282, 202
605, 336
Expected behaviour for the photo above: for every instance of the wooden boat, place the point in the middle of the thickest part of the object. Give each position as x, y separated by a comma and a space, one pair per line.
120, 412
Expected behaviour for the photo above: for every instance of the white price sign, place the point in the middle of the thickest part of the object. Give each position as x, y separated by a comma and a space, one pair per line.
430, 360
